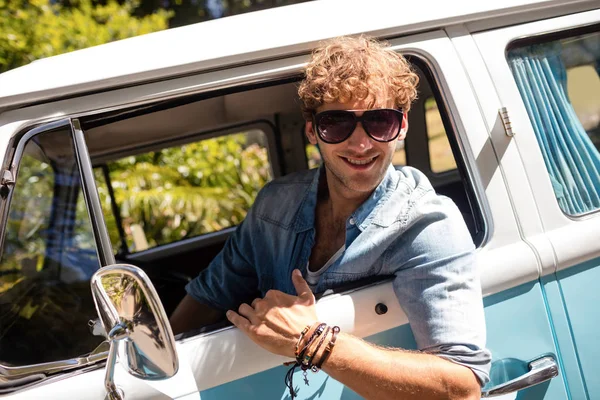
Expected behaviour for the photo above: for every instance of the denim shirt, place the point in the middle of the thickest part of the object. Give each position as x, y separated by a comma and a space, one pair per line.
404, 229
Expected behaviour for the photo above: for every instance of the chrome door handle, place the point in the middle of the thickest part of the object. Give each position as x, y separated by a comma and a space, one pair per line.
540, 370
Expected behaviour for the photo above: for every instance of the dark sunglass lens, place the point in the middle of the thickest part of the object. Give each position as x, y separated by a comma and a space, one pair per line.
382, 125
334, 127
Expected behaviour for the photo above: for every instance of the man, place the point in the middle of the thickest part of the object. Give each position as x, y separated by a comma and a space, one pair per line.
355, 217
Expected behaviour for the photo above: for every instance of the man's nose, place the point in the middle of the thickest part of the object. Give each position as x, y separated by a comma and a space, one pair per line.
359, 140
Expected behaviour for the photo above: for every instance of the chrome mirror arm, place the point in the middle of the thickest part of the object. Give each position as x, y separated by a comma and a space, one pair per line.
116, 334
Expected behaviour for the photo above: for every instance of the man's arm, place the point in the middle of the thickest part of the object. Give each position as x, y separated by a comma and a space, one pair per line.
191, 314
276, 321
377, 373
230, 278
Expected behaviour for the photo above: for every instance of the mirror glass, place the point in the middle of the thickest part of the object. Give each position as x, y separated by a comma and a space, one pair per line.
147, 346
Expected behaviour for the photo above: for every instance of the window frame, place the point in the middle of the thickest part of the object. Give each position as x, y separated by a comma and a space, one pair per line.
423, 147
466, 168
547, 37
265, 126
26, 376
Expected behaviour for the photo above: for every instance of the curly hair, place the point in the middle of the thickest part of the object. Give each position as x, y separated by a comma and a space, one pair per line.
345, 68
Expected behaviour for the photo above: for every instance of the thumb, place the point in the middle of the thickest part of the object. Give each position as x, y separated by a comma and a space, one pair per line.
302, 287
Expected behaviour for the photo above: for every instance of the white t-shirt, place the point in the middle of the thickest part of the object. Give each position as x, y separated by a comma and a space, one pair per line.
312, 277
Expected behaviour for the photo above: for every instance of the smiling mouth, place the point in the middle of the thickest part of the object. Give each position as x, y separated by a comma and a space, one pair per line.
360, 161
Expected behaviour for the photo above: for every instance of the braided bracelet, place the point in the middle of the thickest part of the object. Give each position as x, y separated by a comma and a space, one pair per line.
328, 348
304, 356
314, 367
296, 352
300, 353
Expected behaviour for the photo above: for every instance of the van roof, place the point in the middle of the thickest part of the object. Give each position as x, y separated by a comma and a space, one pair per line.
235, 40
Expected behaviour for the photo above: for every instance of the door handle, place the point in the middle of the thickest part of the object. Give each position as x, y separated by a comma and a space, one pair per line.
540, 370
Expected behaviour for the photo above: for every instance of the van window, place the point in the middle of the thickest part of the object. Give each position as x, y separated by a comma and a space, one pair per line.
49, 256
441, 158
559, 83
184, 191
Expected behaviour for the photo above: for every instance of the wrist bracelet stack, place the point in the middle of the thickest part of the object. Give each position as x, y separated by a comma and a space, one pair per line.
310, 353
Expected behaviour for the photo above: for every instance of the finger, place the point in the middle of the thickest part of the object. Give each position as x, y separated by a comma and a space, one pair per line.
248, 312
242, 323
302, 287
255, 302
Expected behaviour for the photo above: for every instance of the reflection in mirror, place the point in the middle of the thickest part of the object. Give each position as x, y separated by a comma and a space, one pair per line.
137, 321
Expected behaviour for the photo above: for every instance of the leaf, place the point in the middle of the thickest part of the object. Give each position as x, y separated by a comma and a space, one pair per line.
28, 310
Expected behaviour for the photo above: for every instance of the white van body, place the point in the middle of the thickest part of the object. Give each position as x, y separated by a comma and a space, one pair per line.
539, 266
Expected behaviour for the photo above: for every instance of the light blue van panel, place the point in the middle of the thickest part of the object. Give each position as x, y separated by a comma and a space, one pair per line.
569, 362
581, 294
519, 331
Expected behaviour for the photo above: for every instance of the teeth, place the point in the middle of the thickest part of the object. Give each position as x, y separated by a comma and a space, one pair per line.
360, 162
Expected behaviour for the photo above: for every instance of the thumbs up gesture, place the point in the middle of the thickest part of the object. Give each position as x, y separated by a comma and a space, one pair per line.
275, 321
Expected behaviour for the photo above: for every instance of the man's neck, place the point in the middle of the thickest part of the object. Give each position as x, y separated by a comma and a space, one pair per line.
341, 201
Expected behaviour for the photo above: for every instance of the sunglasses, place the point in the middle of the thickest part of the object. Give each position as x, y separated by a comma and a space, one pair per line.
381, 124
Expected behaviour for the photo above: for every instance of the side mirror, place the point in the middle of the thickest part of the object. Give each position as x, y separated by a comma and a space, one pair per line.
136, 323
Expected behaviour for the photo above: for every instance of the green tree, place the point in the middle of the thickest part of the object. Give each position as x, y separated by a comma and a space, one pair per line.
34, 29
185, 191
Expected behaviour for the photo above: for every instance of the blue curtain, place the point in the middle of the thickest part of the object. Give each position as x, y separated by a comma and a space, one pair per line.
570, 156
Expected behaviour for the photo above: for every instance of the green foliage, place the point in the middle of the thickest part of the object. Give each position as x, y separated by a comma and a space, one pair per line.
24, 244
33, 29
185, 191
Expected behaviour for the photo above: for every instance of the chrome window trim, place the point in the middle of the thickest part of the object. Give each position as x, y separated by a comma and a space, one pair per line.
51, 371
90, 194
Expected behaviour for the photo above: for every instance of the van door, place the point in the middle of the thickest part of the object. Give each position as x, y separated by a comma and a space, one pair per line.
546, 76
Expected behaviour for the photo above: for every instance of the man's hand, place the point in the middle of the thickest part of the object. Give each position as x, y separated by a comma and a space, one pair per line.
275, 322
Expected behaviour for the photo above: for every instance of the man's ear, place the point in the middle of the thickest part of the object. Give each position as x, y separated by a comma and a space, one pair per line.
311, 135
404, 127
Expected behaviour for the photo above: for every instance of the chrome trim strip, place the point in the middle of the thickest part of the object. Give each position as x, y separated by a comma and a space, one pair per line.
55, 377
90, 193
8, 374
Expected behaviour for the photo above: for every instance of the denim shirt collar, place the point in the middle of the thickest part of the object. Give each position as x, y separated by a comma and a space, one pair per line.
363, 216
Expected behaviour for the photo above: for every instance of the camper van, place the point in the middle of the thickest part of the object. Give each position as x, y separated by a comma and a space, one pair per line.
126, 166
